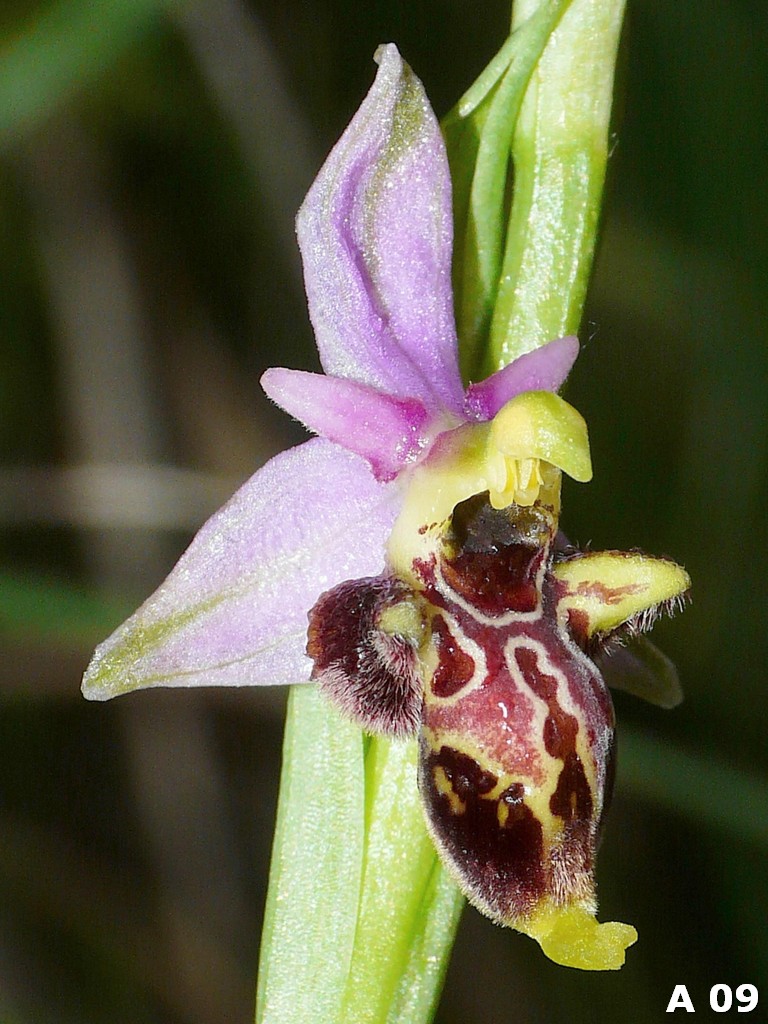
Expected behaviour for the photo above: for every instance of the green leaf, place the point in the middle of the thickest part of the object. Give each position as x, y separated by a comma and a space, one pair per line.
478, 134
421, 981
408, 909
317, 858
560, 149
361, 916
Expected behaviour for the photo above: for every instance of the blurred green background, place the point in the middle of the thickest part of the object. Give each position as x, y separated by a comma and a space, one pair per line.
152, 157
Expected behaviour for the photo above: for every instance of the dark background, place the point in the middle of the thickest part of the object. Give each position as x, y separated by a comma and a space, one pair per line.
152, 157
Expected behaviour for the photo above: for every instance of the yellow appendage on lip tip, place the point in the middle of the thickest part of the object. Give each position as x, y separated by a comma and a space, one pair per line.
571, 937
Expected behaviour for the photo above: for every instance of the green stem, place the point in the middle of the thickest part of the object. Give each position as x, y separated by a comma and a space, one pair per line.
408, 909
559, 149
360, 916
314, 880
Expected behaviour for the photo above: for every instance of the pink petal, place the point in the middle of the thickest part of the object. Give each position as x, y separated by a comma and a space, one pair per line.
386, 431
544, 369
376, 233
234, 610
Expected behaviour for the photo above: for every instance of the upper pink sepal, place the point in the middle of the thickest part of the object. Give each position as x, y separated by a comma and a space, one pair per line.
387, 432
544, 369
376, 234
234, 610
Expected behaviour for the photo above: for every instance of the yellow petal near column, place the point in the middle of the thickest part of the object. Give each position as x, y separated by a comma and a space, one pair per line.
541, 425
517, 458
607, 588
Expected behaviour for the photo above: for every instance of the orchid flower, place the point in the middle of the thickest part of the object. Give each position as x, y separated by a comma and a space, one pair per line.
408, 559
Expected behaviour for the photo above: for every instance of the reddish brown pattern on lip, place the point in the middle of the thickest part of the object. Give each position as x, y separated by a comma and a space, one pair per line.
507, 857
502, 734
560, 728
572, 800
608, 595
502, 865
455, 667
495, 582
